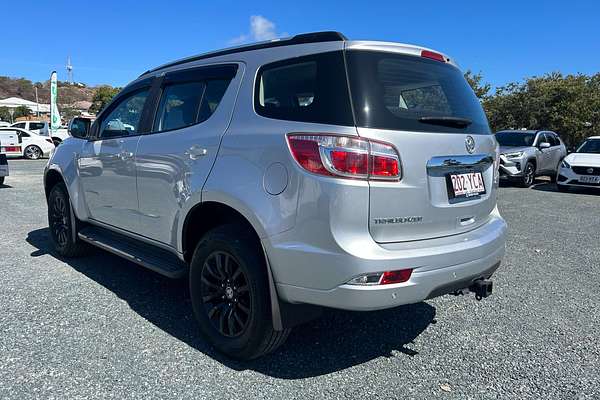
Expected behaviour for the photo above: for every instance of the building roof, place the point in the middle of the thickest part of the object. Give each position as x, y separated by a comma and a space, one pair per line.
14, 102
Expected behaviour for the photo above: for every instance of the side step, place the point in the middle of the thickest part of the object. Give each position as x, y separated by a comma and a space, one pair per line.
146, 255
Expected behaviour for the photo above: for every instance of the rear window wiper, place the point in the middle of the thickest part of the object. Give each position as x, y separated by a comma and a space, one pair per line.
453, 122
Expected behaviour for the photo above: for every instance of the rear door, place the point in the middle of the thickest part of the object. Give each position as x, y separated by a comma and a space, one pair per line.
426, 109
173, 159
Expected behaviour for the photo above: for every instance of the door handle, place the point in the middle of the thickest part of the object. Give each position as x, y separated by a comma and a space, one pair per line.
196, 152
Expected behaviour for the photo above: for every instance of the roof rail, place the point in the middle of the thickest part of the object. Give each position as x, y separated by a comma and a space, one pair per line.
312, 37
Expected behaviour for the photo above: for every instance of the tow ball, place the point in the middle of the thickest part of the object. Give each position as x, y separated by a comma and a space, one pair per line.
482, 288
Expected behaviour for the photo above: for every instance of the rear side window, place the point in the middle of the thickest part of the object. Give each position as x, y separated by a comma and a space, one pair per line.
179, 106
403, 92
35, 125
305, 89
215, 90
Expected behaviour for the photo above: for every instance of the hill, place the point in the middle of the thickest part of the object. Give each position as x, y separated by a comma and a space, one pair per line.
24, 88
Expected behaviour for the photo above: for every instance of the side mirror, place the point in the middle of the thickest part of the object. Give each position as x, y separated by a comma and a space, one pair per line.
79, 127
544, 145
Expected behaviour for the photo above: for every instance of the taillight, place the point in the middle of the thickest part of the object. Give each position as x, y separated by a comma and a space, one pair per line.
345, 156
12, 149
382, 278
432, 55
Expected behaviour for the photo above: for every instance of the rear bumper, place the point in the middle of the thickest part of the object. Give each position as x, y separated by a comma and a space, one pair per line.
440, 266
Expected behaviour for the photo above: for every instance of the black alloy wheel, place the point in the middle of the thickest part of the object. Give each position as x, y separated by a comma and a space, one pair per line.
226, 294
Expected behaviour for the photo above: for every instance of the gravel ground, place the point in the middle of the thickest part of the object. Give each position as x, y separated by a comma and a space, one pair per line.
101, 327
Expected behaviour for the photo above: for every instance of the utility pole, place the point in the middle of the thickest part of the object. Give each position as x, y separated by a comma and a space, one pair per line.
37, 103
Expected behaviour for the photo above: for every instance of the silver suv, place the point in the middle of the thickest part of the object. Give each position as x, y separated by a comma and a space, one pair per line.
526, 154
288, 176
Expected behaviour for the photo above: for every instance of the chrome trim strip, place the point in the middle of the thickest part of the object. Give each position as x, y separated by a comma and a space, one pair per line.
451, 163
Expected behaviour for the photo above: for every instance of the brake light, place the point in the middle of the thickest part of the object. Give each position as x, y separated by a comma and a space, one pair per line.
345, 156
432, 55
12, 149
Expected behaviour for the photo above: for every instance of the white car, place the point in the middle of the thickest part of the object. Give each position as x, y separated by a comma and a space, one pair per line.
42, 129
16, 142
581, 168
4, 124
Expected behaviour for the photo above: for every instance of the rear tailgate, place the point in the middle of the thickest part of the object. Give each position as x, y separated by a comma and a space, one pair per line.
426, 109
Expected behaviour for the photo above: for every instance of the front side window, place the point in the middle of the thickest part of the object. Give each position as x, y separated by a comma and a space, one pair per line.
20, 125
179, 106
305, 89
124, 119
542, 139
35, 125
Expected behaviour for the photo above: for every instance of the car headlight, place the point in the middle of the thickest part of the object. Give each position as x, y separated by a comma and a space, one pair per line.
514, 155
565, 164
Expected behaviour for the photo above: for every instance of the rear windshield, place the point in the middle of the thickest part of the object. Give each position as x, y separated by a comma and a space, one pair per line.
515, 139
590, 146
403, 92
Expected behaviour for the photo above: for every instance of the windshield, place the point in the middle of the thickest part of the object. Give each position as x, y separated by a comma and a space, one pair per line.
515, 139
404, 92
590, 146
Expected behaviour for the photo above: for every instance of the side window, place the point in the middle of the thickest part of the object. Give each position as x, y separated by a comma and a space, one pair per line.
35, 125
306, 89
23, 134
178, 106
554, 141
124, 119
215, 90
20, 125
542, 138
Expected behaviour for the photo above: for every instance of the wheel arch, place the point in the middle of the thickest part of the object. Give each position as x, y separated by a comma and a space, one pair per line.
209, 214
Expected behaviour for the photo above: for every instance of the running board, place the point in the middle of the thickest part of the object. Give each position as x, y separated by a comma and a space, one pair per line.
154, 258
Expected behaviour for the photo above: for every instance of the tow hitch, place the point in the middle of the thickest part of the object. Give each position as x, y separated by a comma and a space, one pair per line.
482, 288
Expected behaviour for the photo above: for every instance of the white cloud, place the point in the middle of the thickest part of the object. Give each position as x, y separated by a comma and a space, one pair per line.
261, 29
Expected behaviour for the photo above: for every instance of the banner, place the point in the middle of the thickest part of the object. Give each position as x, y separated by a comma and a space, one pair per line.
54, 115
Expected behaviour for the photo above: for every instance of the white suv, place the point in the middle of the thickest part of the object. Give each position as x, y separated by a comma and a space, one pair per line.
42, 129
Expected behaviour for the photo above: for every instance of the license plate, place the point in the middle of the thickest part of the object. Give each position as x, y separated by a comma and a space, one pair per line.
465, 185
589, 179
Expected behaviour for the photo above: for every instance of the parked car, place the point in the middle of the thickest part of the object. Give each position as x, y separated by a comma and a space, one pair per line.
4, 124
287, 176
526, 154
42, 128
16, 142
581, 168
3, 168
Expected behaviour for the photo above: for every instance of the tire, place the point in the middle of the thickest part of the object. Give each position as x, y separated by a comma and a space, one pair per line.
230, 294
60, 224
553, 178
32, 152
528, 175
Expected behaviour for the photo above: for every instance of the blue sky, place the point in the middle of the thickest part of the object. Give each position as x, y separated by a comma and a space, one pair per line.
114, 41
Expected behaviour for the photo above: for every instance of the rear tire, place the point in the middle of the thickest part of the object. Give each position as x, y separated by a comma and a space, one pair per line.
528, 175
32, 152
60, 224
230, 294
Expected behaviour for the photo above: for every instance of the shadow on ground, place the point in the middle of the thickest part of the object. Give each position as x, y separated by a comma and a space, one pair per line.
336, 341
551, 187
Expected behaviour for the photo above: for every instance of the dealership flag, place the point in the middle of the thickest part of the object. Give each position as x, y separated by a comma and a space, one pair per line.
54, 115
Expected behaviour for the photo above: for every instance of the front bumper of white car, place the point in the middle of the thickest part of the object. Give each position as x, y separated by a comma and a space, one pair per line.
578, 175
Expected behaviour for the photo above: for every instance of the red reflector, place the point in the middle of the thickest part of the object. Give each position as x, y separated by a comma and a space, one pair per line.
385, 166
390, 277
12, 149
432, 55
349, 162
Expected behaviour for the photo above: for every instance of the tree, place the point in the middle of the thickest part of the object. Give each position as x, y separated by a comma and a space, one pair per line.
22, 111
102, 97
475, 81
4, 114
568, 105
